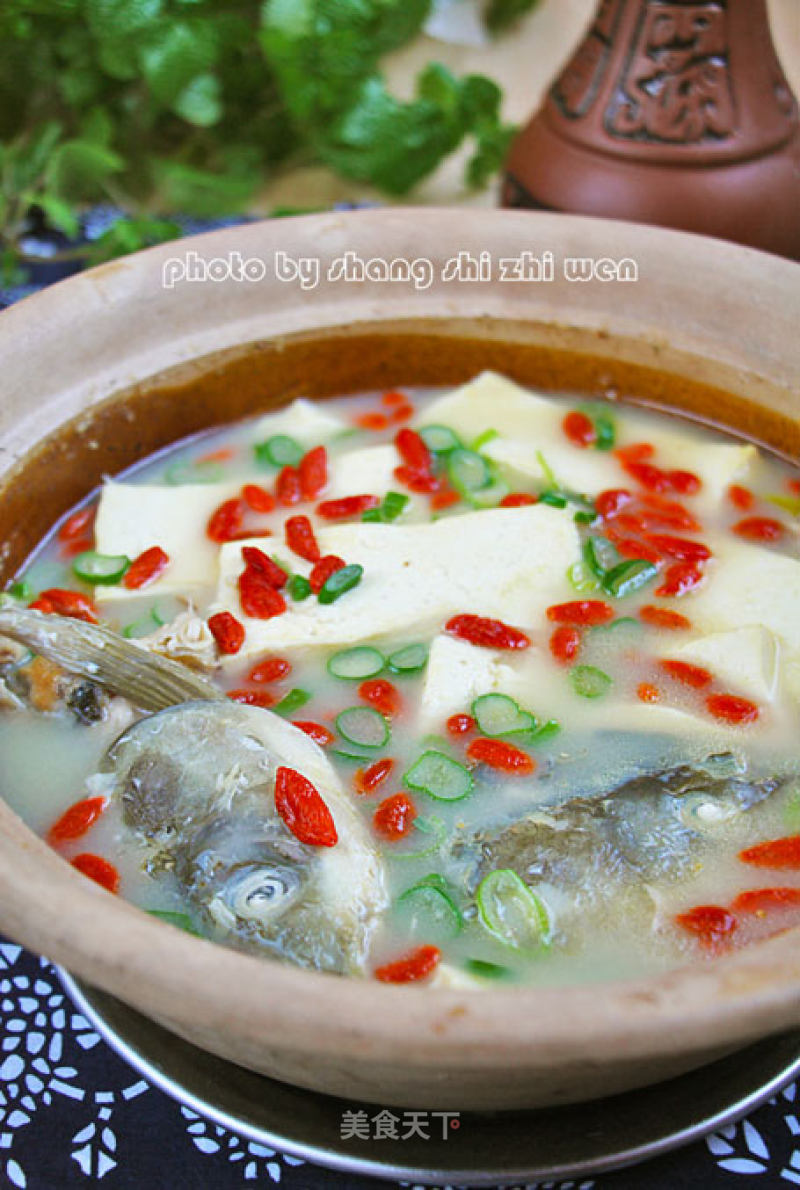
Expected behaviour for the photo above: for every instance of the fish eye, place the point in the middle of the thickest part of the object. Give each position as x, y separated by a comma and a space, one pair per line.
263, 893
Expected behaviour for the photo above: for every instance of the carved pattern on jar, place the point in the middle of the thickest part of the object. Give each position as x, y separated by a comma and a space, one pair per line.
576, 89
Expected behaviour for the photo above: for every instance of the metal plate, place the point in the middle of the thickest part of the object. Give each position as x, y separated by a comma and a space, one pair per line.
486, 1149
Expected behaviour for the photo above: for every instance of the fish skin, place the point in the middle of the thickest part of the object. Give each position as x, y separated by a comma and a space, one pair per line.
196, 782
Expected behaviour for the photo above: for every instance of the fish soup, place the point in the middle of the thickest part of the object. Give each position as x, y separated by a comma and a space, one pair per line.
506, 688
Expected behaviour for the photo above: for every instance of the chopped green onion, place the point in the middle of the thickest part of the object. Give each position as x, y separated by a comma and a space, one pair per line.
491, 495
628, 577
600, 555
606, 432
546, 732
184, 471
590, 682
468, 471
362, 661
620, 623
440, 439
497, 714
513, 912
585, 518
581, 578
340, 582
181, 920
486, 970
791, 811
428, 910
484, 439
439, 776
554, 499
408, 660
547, 470
790, 504
432, 825
352, 757
279, 451
363, 726
292, 702
142, 627
100, 569
21, 589
299, 588
389, 510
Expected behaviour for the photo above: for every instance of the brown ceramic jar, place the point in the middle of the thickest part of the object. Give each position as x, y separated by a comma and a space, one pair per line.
675, 113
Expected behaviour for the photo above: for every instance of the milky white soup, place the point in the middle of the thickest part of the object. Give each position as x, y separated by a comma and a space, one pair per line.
532, 672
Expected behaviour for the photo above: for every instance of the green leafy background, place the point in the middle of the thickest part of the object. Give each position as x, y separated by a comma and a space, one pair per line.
164, 106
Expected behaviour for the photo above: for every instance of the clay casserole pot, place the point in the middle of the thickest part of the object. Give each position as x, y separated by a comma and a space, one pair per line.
104, 368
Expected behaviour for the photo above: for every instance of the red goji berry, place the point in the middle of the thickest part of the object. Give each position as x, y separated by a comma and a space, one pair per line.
741, 498
300, 538
712, 925
581, 611
76, 821
271, 669
685, 482
730, 708
78, 524
382, 694
258, 498
579, 429
775, 853
145, 569
679, 579
445, 498
648, 475
226, 521
367, 780
460, 724
646, 692
319, 734
372, 421
759, 528
625, 522
259, 598
395, 817
669, 518
416, 480
255, 559
419, 964
323, 570
393, 397
73, 605
632, 547
487, 633
689, 675
97, 869
252, 698
499, 755
412, 450
612, 501
517, 500
336, 510
565, 644
302, 809
761, 900
401, 413
287, 487
223, 455
794, 486
680, 547
635, 452
662, 617
313, 471
227, 632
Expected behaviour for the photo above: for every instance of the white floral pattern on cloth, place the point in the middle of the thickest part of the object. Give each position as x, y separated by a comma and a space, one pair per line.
73, 1115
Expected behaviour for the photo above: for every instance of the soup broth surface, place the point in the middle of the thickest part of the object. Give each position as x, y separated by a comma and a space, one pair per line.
545, 681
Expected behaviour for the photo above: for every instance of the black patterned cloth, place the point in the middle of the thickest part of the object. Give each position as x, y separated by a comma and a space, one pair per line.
75, 1115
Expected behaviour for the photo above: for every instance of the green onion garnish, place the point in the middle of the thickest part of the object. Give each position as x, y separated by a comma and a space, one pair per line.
546, 732
340, 582
600, 555
484, 439
100, 569
292, 701
363, 726
299, 588
21, 590
428, 910
486, 970
581, 578
468, 471
589, 681
513, 912
628, 577
362, 661
279, 451
184, 471
441, 439
181, 920
554, 499
497, 714
410, 659
388, 510
439, 776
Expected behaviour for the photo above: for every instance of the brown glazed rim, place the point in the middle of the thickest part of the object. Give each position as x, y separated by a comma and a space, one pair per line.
162, 364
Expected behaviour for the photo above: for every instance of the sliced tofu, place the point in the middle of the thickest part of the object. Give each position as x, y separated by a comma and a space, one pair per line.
745, 661
457, 674
370, 470
307, 421
507, 563
133, 517
528, 423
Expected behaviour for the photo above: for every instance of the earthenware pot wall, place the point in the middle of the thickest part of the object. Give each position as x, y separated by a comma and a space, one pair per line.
670, 113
